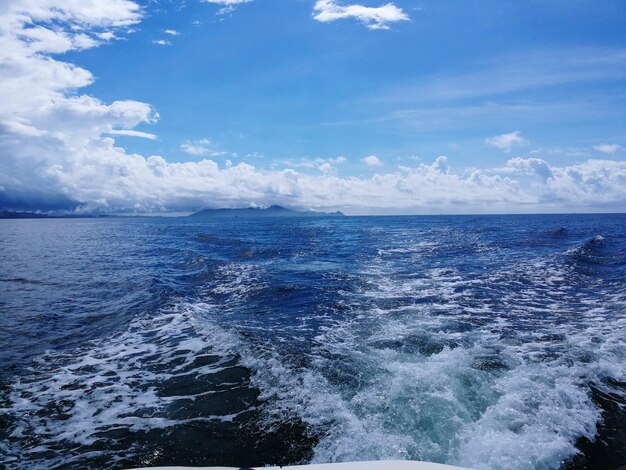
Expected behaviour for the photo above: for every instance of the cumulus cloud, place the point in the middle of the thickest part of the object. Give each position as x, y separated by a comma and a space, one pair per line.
372, 17
372, 160
530, 166
609, 149
506, 141
171, 32
161, 42
325, 165
43, 121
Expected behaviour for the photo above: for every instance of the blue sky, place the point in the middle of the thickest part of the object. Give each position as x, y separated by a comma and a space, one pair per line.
266, 79
503, 87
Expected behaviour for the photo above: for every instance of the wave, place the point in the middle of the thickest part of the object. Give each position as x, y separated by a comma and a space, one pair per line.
589, 251
600, 259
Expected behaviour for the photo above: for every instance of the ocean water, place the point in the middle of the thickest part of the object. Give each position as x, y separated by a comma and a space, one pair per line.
492, 342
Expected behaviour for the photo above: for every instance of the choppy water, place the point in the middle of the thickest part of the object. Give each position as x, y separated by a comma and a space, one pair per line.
494, 342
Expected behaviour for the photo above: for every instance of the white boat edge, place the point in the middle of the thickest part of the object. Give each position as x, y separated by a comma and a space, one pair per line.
367, 465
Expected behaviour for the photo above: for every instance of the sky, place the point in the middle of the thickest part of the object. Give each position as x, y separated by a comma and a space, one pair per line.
409, 107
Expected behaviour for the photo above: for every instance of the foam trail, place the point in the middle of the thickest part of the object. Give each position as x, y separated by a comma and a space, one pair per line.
137, 381
457, 379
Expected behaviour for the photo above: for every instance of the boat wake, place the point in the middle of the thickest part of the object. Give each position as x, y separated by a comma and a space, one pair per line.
485, 365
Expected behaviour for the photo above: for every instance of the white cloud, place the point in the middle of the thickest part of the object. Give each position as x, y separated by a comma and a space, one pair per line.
372, 17
80, 13
372, 160
171, 32
38, 91
131, 133
228, 6
194, 149
506, 141
201, 148
327, 168
609, 149
530, 166
162, 42
102, 178
325, 165
106, 36
30, 80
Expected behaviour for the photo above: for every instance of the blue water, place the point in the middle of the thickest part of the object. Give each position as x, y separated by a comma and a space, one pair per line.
495, 342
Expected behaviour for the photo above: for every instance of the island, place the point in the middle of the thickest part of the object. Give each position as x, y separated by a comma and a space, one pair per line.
255, 212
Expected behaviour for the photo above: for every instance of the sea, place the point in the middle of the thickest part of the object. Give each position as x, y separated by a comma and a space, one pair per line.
488, 342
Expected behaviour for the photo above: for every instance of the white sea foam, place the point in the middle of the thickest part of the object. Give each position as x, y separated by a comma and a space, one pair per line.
237, 281
406, 382
122, 382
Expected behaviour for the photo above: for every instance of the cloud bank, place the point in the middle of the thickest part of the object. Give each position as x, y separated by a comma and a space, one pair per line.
58, 149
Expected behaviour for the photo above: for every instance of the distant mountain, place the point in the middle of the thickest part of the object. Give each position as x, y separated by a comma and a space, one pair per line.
272, 211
